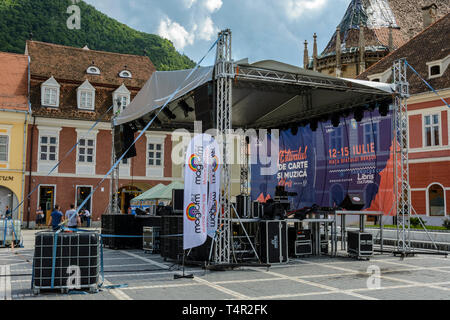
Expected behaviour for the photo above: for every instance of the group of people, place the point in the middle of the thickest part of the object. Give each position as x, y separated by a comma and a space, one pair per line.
74, 219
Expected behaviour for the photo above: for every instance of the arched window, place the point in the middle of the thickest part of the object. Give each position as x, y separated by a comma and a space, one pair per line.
436, 200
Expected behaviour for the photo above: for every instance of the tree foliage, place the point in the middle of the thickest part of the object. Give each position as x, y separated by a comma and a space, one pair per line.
46, 20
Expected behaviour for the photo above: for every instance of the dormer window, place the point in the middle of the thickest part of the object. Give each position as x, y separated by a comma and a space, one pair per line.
125, 74
93, 70
86, 96
437, 68
50, 93
121, 97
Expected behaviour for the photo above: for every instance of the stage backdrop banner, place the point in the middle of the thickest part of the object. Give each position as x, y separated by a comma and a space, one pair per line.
323, 166
196, 192
214, 171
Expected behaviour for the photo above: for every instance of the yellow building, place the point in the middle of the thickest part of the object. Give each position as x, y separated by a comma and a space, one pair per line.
14, 114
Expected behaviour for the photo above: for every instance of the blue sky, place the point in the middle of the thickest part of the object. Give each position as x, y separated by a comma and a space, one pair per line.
262, 29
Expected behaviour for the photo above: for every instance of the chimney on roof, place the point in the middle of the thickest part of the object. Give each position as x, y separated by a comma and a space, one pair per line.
429, 14
362, 50
86, 48
305, 56
338, 52
315, 52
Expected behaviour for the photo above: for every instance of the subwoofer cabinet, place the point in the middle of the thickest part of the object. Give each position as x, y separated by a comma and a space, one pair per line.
360, 244
273, 241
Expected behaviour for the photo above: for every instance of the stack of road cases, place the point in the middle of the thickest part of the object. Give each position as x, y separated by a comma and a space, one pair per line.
70, 262
360, 244
274, 241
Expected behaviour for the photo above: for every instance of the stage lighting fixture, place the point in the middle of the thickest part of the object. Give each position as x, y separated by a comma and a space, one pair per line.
335, 120
314, 124
185, 107
384, 108
372, 106
358, 114
294, 130
169, 114
157, 122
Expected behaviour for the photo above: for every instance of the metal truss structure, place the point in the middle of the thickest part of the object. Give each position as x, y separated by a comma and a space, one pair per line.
402, 190
114, 183
244, 173
224, 73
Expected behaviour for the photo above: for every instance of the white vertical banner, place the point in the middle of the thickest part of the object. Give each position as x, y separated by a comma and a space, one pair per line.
196, 192
214, 171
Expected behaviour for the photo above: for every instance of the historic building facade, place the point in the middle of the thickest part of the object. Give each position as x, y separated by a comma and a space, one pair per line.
72, 89
429, 115
14, 115
369, 31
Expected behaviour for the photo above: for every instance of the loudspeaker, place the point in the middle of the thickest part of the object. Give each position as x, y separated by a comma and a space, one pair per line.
353, 201
123, 139
204, 106
177, 200
257, 209
243, 206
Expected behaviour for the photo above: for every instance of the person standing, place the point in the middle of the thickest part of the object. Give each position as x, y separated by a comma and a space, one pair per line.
87, 216
8, 214
39, 217
56, 218
73, 219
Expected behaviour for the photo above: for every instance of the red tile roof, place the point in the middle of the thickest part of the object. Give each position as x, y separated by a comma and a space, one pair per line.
70, 63
432, 44
13, 81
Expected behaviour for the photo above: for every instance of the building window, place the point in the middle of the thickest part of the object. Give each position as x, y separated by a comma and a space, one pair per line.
121, 97
86, 100
436, 200
155, 154
50, 93
125, 74
86, 151
432, 130
86, 96
435, 70
93, 70
48, 148
4, 145
336, 138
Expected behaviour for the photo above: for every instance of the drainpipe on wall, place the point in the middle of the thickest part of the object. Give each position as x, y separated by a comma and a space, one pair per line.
24, 156
30, 169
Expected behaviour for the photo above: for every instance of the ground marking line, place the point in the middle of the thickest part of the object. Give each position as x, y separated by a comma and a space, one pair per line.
163, 286
222, 289
116, 292
7, 283
322, 286
419, 284
161, 265
125, 275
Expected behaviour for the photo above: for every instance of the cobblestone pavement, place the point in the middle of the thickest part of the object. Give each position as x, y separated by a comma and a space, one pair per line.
135, 275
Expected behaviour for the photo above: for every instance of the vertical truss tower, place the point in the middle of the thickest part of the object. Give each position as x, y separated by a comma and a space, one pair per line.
114, 183
224, 73
401, 169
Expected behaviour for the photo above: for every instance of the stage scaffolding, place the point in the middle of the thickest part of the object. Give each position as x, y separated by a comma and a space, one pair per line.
226, 71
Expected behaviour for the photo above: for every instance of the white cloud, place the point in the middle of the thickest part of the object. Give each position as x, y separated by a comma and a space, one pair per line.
207, 30
296, 8
176, 33
213, 5
189, 3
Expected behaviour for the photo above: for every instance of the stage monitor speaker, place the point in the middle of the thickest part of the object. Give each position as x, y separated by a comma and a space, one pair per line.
177, 200
243, 206
204, 106
123, 139
353, 201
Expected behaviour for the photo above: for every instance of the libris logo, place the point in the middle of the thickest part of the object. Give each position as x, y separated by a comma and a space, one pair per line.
191, 212
194, 162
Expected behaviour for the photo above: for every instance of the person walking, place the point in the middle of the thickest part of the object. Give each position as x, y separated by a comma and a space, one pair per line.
8, 214
56, 218
39, 217
73, 219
